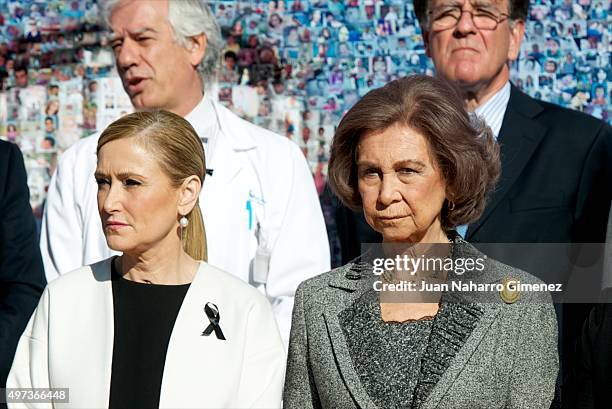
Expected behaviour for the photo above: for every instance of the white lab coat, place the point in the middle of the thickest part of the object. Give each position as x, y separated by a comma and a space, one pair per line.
259, 178
68, 343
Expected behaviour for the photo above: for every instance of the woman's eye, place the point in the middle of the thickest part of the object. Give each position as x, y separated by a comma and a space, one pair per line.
407, 171
101, 181
369, 173
131, 182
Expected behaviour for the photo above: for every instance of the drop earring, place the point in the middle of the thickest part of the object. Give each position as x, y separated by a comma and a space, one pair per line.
183, 223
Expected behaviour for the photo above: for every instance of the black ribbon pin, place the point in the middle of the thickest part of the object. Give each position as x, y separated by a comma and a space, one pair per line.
212, 312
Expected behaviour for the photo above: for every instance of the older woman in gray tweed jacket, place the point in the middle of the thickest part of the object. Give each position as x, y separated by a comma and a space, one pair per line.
417, 164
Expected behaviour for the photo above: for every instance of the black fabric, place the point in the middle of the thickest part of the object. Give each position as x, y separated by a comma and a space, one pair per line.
144, 315
590, 381
22, 277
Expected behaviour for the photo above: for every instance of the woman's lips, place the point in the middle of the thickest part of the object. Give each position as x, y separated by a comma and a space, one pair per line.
115, 225
391, 218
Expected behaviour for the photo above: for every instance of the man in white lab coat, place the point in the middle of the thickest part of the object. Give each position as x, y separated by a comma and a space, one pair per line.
261, 212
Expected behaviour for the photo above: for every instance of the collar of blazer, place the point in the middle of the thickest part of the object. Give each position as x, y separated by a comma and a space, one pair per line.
353, 281
192, 360
520, 135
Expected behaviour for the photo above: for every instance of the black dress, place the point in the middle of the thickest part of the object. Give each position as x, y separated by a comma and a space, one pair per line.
144, 315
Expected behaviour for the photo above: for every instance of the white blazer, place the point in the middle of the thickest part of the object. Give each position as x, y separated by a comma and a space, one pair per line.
259, 178
68, 343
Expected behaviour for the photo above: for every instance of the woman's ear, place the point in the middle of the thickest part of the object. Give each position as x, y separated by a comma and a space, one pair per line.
188, 195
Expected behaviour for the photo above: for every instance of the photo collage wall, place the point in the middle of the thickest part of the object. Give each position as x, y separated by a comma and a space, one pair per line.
290, 66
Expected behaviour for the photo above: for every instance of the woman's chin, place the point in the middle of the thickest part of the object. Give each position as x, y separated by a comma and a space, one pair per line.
117, 244
396, 236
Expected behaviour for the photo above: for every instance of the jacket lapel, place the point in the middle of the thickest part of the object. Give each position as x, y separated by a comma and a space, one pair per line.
92, 361
490, 311
220, 214
226, 163
356, 287
519, 137
463, 356
198, 369
344, 362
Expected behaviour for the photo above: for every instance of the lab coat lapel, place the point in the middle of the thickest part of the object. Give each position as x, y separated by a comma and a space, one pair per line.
232, 141
225, 192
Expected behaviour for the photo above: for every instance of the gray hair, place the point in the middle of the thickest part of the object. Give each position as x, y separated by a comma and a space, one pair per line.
189, 18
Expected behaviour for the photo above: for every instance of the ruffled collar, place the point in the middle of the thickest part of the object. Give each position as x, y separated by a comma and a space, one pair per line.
452, 327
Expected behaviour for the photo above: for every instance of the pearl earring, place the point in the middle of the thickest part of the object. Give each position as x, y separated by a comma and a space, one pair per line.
183, 222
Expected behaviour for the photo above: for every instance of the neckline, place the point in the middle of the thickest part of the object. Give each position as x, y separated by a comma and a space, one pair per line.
115, 276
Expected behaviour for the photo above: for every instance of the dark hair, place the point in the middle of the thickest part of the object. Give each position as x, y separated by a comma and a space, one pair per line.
20, 66
230, 54
462, 146
518, 10
50, 140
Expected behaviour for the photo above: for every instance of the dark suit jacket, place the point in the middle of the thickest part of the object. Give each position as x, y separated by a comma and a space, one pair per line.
591, 372
22, 277
555, 182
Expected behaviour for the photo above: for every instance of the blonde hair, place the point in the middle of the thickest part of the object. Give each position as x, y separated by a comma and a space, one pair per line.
179, 152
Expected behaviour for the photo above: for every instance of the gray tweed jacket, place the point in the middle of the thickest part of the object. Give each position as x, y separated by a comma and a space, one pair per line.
509, 360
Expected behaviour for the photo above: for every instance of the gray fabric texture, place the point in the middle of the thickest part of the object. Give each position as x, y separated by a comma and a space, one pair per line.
508, 359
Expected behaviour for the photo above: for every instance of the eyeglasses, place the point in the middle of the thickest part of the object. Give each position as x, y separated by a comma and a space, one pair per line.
445, 17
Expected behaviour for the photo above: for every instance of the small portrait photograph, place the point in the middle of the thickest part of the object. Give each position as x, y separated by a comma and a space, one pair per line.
47, 143
553, 48
352, 15
52, 107
384, 46
539, 12
361, 48
550, 66
345, 50
12, 132
545, 81
291, 36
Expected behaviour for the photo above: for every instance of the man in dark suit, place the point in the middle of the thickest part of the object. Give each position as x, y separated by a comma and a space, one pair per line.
556, 163
22, 277
591, 373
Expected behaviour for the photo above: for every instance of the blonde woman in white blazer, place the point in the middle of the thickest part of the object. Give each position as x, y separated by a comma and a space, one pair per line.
156, 326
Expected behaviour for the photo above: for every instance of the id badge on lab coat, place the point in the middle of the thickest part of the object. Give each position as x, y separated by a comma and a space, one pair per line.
261, 265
